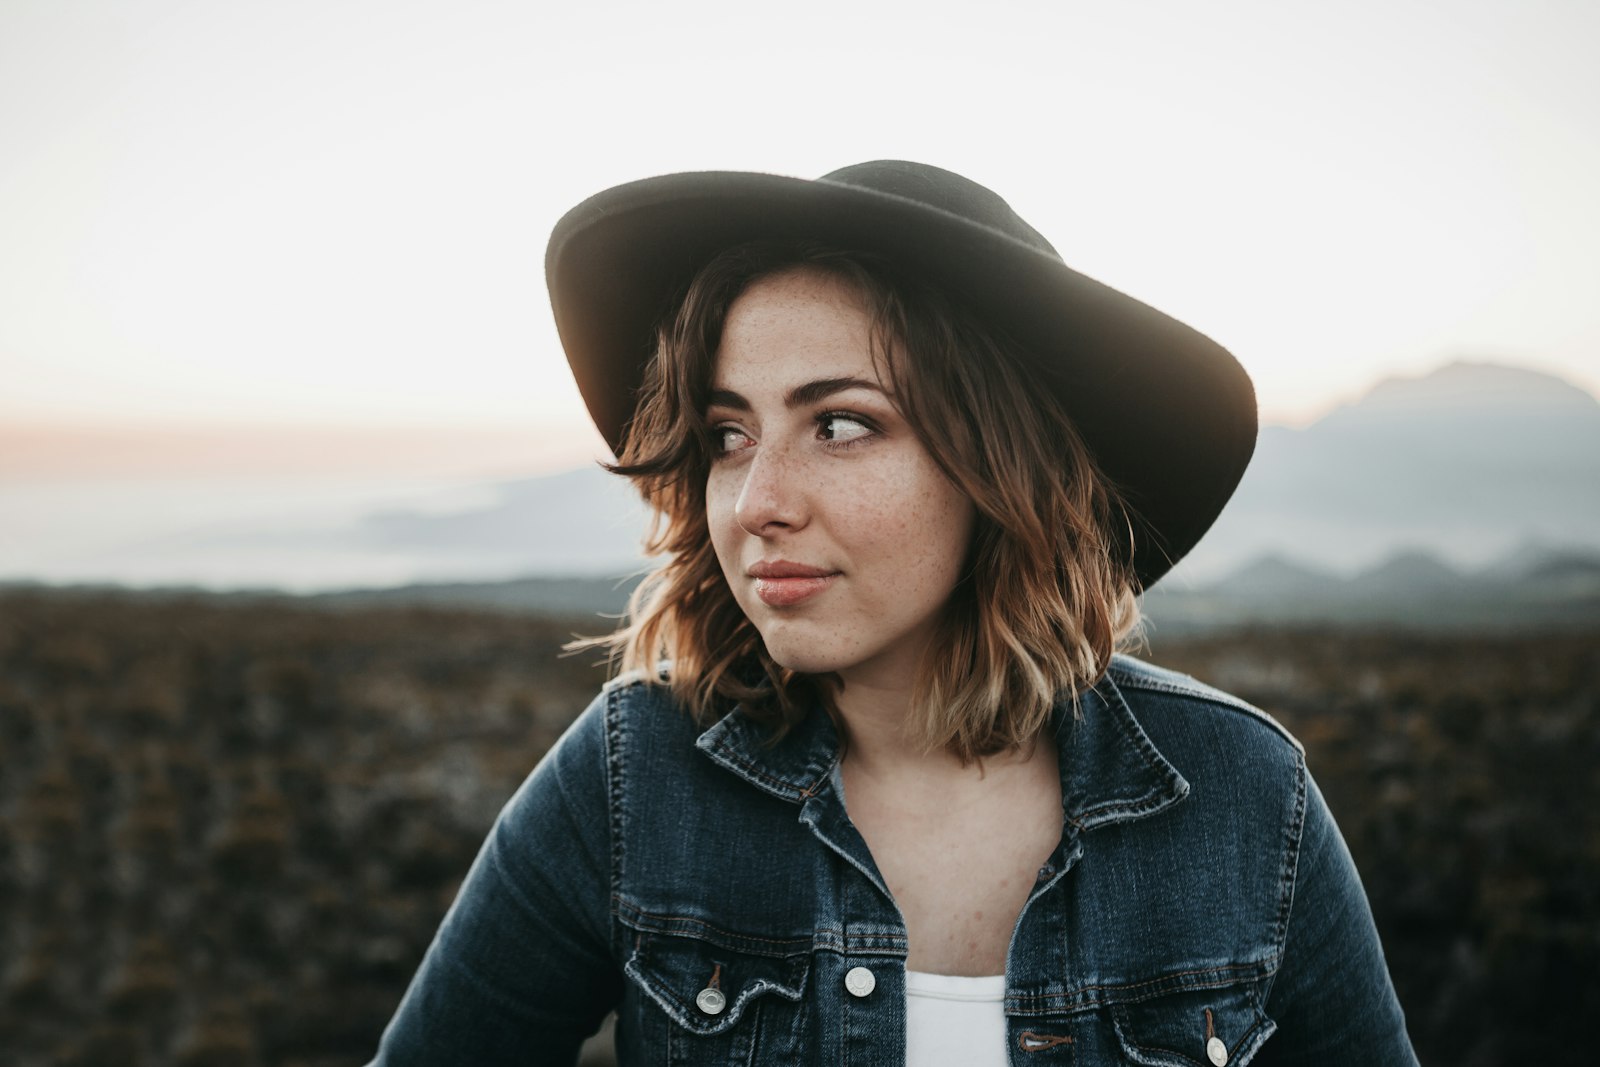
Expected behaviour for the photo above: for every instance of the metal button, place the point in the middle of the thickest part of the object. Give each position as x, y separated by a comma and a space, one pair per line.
1046, 871
860, 981
1217, 1052
711, 1001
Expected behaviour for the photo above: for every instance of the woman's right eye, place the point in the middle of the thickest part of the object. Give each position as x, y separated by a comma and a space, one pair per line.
728, 439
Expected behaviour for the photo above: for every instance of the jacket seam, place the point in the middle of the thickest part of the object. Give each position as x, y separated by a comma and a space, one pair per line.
1291, 864
713, 933
827, 938
1222, 976
614, 751
1199, 691
1219, 700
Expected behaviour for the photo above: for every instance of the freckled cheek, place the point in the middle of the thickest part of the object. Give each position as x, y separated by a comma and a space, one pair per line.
720, 501
923, 532
944, 537
724, 536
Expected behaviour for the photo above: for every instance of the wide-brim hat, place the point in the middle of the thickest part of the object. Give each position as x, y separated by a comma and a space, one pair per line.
1169, 414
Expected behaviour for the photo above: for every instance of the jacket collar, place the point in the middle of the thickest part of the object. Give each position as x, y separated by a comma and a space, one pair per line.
1110, 769
794, 768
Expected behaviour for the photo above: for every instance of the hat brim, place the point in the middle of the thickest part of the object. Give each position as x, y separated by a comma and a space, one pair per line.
1169, 415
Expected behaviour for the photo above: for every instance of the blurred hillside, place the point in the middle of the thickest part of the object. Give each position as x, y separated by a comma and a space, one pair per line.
229, 827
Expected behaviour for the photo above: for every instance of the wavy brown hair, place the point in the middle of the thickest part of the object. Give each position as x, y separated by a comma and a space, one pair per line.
1048, 592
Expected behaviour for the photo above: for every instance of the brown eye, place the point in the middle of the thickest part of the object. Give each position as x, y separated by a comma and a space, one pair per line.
726, 439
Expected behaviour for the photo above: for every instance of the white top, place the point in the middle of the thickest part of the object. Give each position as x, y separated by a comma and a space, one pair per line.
955, 1022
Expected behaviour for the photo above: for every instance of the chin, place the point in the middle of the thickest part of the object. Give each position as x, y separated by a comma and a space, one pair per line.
803, 660
795, 653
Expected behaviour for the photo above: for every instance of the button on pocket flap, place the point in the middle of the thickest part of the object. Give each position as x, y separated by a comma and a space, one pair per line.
706, 988
1194, 1028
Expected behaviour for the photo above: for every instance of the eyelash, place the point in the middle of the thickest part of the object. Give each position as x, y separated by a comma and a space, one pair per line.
821, 420
847, 416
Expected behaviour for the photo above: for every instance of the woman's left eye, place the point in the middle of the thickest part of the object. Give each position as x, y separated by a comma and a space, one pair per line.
841, 428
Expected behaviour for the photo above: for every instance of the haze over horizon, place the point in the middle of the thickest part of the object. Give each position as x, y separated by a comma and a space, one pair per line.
1471, 462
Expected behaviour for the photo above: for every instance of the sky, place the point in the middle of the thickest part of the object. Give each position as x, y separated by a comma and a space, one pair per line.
225, 225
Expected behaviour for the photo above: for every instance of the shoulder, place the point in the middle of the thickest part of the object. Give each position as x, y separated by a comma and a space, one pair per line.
637, 679
632, 731
650, 739
639, 706
632, 718
1230, 834
1239, 761
589, 751
1161, 697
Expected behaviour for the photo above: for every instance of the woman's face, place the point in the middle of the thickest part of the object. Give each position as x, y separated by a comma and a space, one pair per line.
840, 537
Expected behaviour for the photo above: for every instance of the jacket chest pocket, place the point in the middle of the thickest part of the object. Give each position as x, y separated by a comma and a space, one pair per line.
1194, 1028
719, 1005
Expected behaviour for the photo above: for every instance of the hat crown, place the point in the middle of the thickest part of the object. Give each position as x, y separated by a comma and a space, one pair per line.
943, 190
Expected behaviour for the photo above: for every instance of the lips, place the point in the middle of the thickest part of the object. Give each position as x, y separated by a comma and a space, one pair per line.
784, 569
781, 584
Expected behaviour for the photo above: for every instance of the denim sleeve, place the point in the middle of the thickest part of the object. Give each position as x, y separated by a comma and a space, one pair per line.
1332, 998
520, 970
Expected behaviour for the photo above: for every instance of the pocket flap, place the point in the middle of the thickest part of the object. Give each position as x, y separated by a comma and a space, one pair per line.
678, 972
1194, 1028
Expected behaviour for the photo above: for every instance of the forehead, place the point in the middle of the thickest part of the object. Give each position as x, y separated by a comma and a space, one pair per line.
797, 323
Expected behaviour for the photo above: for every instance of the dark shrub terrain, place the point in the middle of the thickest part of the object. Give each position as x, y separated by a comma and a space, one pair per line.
228, 828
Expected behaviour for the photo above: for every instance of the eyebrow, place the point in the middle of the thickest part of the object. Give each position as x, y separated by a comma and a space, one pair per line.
802, 395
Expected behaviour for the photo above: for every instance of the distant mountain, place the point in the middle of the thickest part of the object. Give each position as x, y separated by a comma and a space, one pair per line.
1277, 577
583, 522
1474, 388
1467, 463
1408, 572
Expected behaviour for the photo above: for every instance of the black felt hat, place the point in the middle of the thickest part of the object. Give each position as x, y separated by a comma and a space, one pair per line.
1169, 415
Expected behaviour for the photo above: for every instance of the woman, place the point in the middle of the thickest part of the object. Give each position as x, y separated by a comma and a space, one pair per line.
875, 788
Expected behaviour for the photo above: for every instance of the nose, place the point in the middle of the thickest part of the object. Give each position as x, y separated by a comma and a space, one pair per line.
773, 497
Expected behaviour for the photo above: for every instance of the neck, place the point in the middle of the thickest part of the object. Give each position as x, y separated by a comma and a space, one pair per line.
875, 720
878, 743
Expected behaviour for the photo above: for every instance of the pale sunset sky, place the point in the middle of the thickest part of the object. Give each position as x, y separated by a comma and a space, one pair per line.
273, 237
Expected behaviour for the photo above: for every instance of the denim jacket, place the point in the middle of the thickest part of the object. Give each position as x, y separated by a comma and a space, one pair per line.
1200, 908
